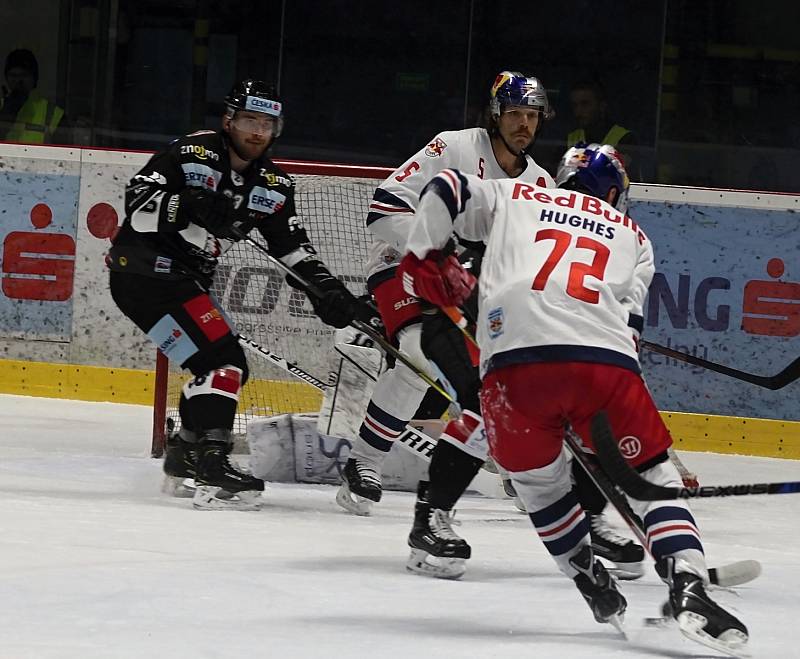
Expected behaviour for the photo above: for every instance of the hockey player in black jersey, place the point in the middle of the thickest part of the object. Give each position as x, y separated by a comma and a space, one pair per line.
183, 210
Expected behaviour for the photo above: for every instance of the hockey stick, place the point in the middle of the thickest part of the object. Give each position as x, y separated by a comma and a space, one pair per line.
356, 324
634, 485
773, 382
726, 576
411, 438
281, 362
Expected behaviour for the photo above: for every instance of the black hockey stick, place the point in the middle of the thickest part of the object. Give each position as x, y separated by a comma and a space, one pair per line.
731, 574
773, 382
361, 326
634, 485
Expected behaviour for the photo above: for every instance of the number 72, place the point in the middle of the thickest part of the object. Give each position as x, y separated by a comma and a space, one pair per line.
577, 271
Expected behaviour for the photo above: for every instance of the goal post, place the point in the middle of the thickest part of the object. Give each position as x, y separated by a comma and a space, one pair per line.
332, 202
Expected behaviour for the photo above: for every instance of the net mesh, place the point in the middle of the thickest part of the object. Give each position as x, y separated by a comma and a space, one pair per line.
262, 307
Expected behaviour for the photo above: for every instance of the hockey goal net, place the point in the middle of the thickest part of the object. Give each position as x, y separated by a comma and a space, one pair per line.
332, 202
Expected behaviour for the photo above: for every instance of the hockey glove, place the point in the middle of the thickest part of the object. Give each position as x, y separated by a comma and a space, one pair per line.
211, 210
441, 281
336, 306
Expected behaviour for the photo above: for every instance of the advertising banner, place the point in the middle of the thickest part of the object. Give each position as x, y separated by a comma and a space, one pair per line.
727, 289
37, 262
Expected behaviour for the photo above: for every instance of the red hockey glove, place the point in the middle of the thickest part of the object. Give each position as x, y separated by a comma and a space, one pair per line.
444, 283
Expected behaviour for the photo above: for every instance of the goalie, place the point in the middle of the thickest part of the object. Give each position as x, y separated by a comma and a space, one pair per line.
184, 209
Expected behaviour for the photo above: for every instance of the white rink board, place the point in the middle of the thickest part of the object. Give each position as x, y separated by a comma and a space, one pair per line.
710, 245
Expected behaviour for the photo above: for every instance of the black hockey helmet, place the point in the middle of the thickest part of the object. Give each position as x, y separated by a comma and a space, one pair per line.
256, 96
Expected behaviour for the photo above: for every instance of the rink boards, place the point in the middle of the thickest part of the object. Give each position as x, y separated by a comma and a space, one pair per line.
726, 289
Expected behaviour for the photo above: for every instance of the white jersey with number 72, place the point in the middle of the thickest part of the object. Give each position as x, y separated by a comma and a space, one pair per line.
565, 275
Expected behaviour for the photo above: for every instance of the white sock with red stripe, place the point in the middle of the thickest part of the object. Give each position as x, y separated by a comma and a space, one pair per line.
670, 526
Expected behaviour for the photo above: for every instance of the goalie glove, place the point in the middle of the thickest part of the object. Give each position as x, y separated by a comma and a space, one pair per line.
441, 281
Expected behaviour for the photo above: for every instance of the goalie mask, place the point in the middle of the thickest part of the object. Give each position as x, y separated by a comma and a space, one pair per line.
595, 169
256, 96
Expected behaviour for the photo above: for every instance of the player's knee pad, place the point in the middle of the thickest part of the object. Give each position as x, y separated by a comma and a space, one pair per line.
225, 381
468, 433
229, 353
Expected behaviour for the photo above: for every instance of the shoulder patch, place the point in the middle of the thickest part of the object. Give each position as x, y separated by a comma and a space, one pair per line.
435, 148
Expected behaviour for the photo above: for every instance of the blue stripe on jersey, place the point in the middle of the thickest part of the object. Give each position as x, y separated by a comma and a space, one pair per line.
562, 353
564, 512
451, 187
384, 198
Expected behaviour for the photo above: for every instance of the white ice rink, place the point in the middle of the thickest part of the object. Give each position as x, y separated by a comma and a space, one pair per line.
95, 562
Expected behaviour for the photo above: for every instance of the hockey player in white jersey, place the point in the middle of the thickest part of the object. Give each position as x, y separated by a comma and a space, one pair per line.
518, 108
564, 280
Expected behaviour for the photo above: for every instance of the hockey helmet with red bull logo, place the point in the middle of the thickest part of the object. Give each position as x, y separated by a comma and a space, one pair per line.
595, 169
512, 88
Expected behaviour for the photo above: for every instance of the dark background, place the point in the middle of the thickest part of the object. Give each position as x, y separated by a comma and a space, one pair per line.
710, 88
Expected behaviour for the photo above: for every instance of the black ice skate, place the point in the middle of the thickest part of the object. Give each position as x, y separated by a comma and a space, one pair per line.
699, 617
220, 485
180, 462
361, 485
598, 589
627, 556
436, 550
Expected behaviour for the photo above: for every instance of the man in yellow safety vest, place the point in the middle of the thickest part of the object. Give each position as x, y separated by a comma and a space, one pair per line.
25, 115
590, 109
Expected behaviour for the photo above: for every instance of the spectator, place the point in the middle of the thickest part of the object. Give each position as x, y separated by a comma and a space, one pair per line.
26, 115
590, 110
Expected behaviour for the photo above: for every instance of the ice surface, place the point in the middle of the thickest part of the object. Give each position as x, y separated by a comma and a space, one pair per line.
95, 562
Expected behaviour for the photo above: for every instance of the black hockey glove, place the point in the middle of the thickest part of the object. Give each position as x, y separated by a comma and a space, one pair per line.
336, 306
367, 313
211, 210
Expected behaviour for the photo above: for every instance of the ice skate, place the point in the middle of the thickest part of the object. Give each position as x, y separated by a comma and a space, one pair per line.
626, 556
220, 485
699, 617
436, 550
180, 462
361, 486
599, 589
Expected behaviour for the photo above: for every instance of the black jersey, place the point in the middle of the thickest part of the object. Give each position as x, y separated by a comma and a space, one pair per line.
148, 244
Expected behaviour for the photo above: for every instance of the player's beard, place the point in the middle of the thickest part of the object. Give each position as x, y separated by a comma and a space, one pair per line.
249, 148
